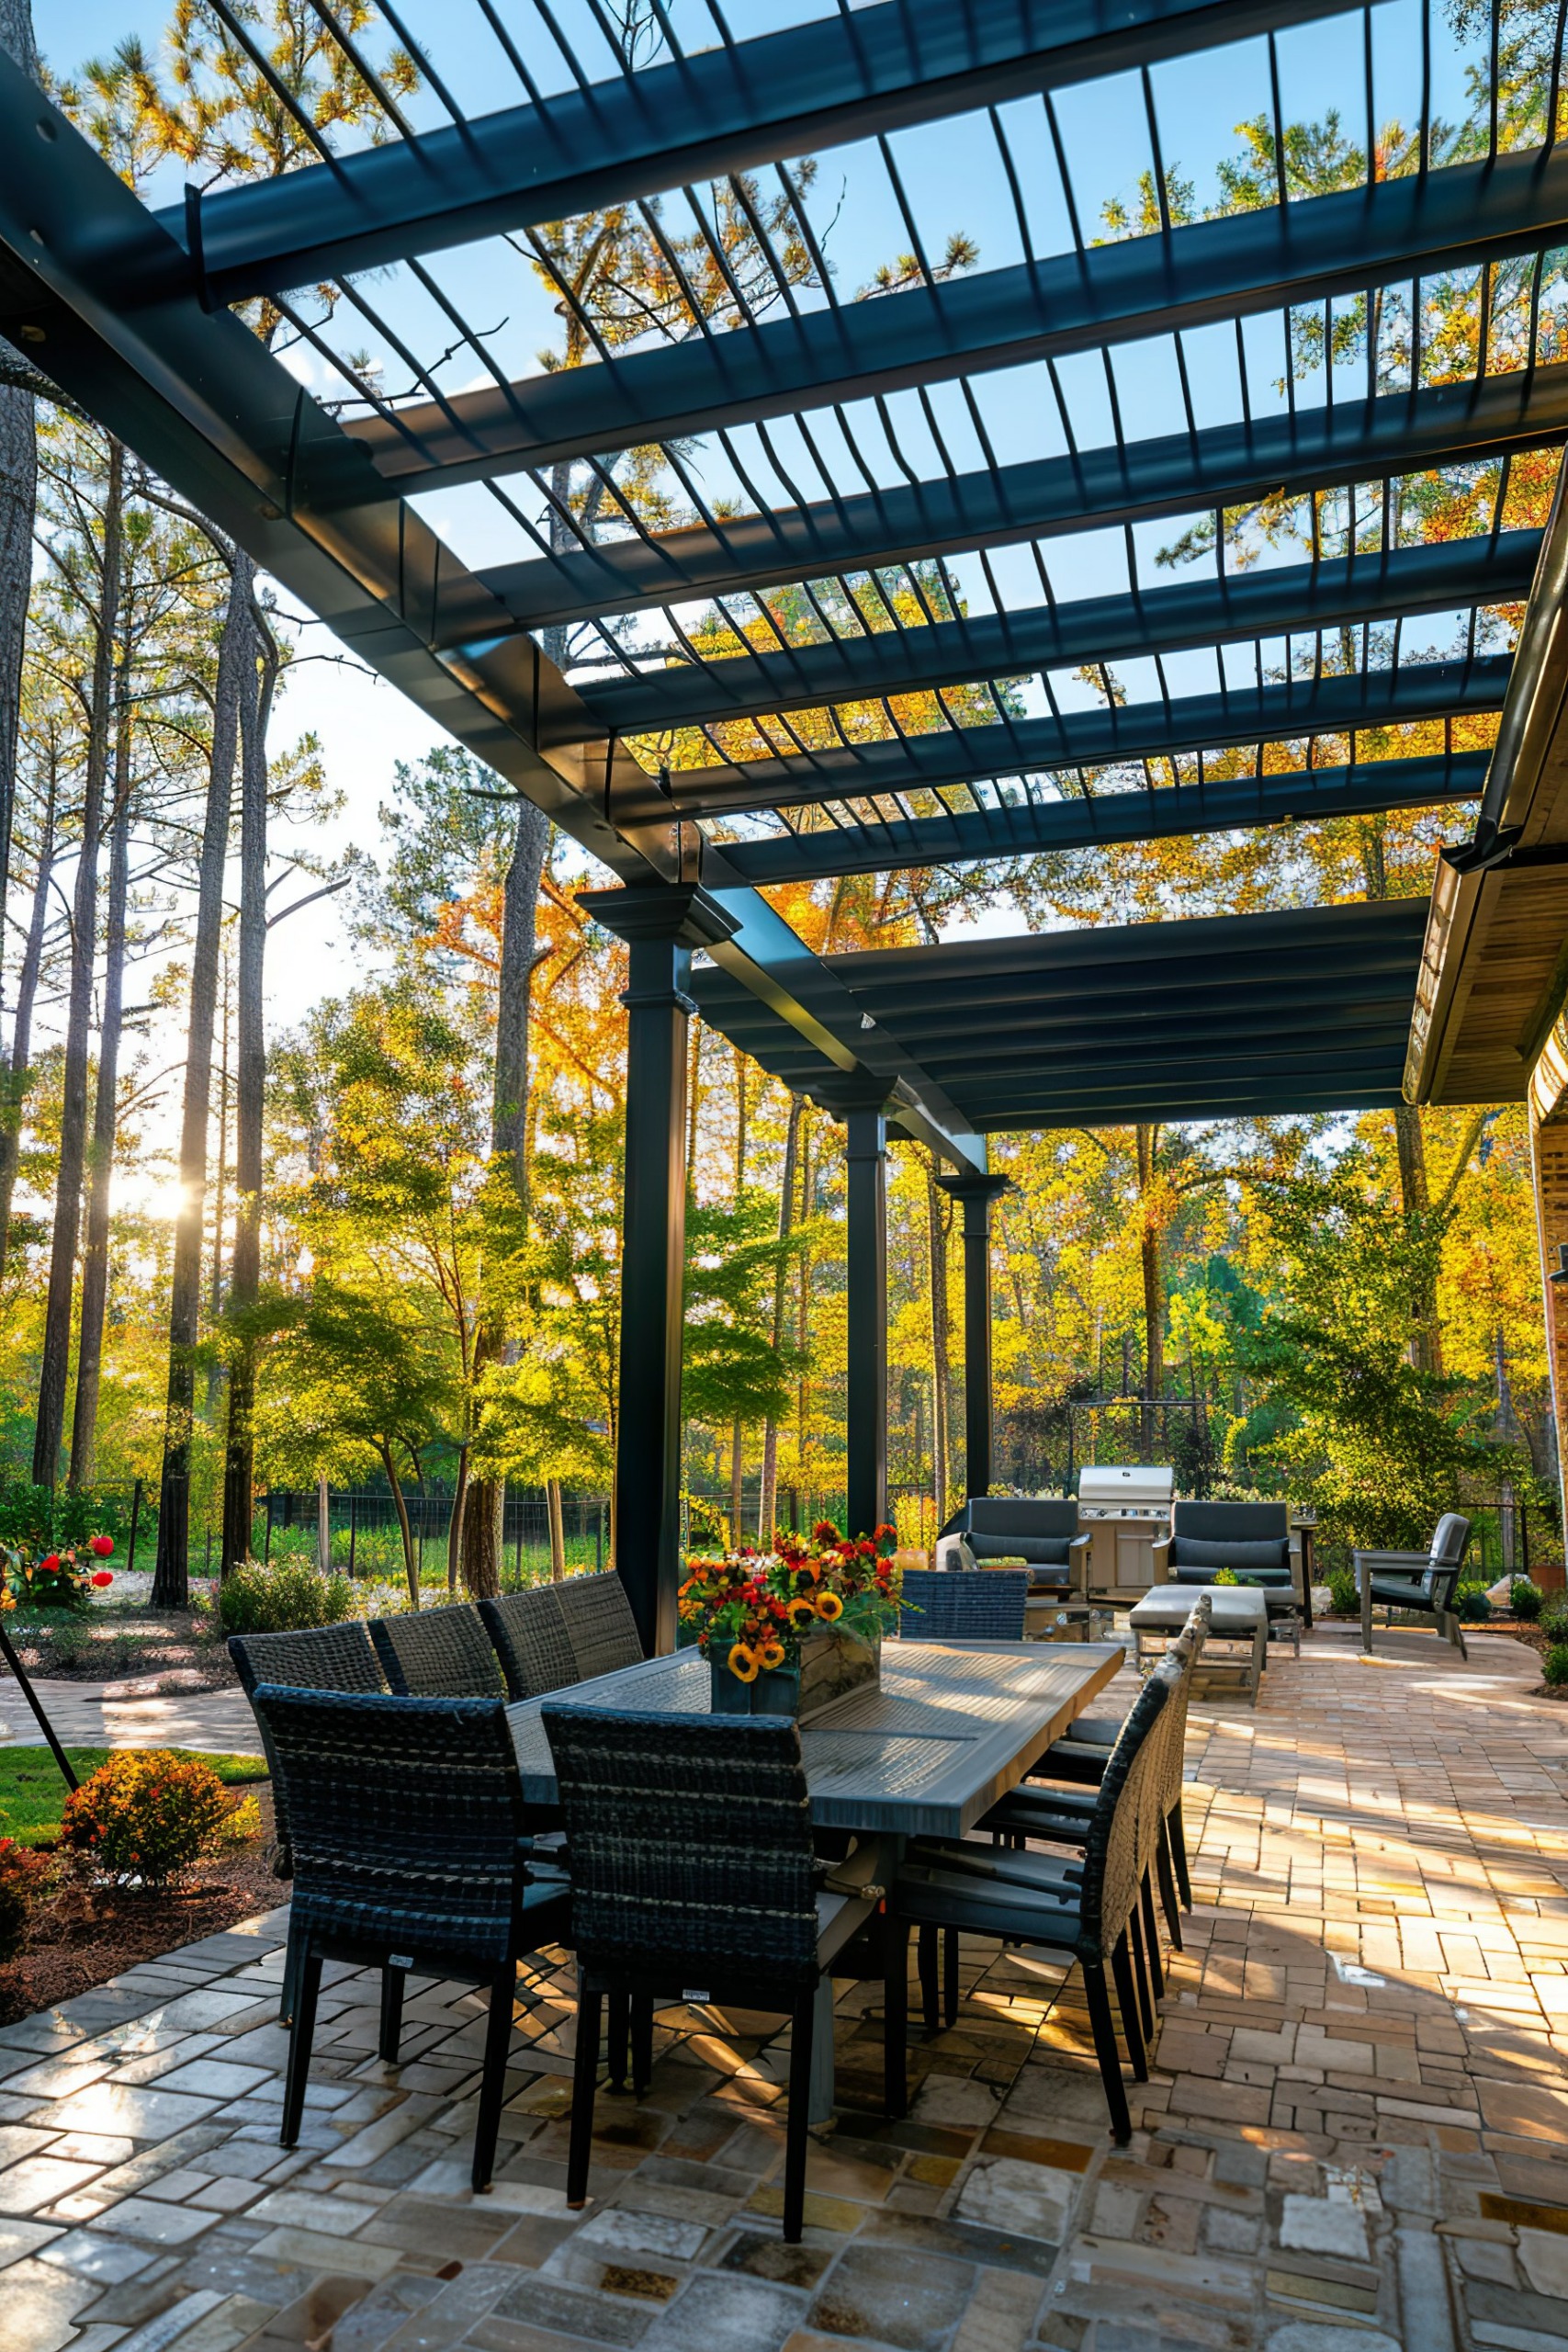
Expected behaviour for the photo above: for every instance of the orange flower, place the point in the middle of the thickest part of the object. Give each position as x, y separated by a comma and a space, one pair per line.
828, 1606
742, 1663
801, 1613
771, 1655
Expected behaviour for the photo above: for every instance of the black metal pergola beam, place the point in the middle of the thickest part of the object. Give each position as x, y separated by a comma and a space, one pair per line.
1180, 473
1126, 290
718, 111
1336, 593
1089, 738
1025, 828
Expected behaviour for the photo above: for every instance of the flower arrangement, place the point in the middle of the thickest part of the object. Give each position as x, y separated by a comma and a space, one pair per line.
60, 1580
753, 1609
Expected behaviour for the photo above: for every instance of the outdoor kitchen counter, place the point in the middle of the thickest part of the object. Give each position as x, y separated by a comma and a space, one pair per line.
925, 1753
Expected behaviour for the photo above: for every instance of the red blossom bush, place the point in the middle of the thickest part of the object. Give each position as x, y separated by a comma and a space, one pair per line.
149, 1818
24, 1876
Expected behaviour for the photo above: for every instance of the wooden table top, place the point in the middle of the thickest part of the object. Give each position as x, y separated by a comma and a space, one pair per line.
946, 1733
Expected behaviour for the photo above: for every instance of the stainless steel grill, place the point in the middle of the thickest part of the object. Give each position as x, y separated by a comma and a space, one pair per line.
1124, 1506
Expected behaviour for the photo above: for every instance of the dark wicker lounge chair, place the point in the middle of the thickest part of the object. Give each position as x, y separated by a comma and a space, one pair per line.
1041, 1529
438, 1654
326, 1658
1253, 1540
1088, 1906
409, 1855
694, 1876
1424, 1582
963, 1605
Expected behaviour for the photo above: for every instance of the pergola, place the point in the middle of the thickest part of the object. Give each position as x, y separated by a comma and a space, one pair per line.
702, 764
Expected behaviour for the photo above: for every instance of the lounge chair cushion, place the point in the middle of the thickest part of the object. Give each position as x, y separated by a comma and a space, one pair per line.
1209, 1552
1038, 1551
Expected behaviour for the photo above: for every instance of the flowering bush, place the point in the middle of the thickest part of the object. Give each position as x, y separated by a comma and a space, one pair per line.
751, 1607
23, 1878
58, 1580
150, 1817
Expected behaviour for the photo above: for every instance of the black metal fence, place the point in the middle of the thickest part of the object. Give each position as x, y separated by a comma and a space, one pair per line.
365, 1538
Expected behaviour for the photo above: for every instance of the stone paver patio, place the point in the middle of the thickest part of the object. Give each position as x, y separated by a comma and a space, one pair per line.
1357, 2135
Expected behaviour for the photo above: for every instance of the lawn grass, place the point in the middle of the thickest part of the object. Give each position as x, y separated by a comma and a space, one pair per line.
32, 1794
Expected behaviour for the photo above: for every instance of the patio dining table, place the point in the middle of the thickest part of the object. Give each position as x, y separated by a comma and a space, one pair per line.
948, 1730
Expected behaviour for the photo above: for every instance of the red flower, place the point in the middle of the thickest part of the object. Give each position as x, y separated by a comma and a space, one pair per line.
102, 1545
47, 1567
102, 1578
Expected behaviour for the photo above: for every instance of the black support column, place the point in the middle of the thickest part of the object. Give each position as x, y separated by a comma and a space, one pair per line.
977, 1194
861, 1101
662, 923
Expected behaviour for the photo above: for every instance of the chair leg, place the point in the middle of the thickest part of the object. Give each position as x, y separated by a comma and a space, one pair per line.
493, 2081
797, 2123
1175, 1822
642, 2043
926, 1961
393, 1980
616, 2032
288, 1993
896, 2017
1134, 1932
1151, 1940
1106, 2049
1127, 2002
1169, 1903
307, 1989
949, 1973
584, 2078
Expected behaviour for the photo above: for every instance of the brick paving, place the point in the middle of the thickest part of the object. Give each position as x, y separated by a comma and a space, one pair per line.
1356, 2136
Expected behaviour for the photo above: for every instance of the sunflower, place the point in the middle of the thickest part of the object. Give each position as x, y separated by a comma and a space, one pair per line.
801, 1613
771, 1655
828, 1606
742, 1663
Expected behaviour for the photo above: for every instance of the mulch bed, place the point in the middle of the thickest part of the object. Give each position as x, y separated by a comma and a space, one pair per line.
82, 1936
172, 1649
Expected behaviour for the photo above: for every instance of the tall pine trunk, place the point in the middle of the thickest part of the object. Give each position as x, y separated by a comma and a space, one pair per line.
106, 1108
26, 995
405, 1534
250, 1096
484, 1518
54, 1375
1153, 1271
235, 686
768, 1501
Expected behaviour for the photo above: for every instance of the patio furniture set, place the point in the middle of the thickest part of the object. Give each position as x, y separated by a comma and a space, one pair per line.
459, 1789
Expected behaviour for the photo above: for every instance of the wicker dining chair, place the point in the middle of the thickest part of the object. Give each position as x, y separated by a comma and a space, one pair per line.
409, 1855
530, 1639
963, 1605
323, 1658
1086, 1906
437, 1654
599, 1623
694, 1877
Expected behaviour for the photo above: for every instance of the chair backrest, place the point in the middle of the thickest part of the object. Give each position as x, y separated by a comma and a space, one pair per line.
599, 1623
325, 1658
405, 1816
438, 1654
963, 1605
1232, 1523
689, 1837
1450, 1541
1124, 1823
1022, 1515
531, 1641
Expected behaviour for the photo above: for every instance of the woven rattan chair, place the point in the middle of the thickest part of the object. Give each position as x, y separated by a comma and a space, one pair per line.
599, 1623
694, 1877
409, 1855
1086, 1904
531, 1641
963, 1605
326, 1658
437, 1654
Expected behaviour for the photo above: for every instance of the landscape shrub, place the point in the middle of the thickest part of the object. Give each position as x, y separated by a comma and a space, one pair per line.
1525, 1600
1554, 1618
1345, 1593
1472, 1604
288, 1599
149, 1817
24, 1876
1554, 1665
